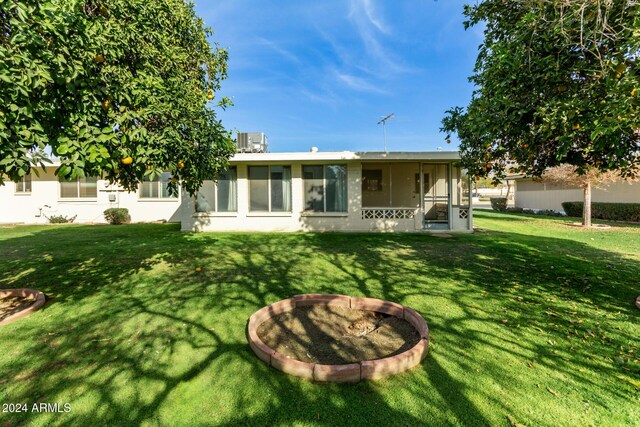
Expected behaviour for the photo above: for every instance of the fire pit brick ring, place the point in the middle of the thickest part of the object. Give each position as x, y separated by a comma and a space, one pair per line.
37, 297
352, 372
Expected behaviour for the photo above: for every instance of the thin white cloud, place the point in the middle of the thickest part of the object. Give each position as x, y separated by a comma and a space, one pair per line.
358, 83
288, 55
370, 28
325, 97
361, 9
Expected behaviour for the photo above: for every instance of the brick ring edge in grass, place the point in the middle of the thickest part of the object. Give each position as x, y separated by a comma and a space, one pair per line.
352, 372
38, 301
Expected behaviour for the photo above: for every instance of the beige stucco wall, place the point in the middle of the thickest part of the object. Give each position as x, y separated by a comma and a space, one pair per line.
537, 195
298, 220
30, 208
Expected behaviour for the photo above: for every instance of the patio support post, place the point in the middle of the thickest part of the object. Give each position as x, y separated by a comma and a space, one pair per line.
450, 182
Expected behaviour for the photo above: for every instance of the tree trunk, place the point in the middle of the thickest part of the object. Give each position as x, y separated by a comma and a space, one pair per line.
586, 209
508, 191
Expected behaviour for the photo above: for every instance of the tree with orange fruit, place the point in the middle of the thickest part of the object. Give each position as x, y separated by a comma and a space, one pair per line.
555, 83
592, 178
116, 88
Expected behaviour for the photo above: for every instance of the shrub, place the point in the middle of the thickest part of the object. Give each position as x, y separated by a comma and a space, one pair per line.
499, 203
546, 212
549, 212
574, 208
60, 219
117, 216
607, 211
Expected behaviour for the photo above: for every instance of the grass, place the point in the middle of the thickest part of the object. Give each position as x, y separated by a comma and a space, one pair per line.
532, 322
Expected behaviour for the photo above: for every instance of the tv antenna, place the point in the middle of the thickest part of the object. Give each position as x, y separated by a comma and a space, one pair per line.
384, 129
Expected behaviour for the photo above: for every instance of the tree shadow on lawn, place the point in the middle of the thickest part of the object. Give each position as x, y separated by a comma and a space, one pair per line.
560, 219
518, 301
134, 334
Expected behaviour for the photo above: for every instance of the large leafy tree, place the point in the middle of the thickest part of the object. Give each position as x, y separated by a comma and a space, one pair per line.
593, 178
116, 88
556, 82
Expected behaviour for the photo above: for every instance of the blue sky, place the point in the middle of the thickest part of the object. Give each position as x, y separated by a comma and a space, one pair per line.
323, 73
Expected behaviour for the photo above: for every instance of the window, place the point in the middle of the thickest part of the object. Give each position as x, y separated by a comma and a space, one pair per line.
221, 196
157, 188
372, 180
325, 188
226, 191
24, 185
79, 188
270, 188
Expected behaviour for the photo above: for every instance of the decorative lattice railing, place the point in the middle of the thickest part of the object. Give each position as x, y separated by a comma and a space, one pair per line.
388, 213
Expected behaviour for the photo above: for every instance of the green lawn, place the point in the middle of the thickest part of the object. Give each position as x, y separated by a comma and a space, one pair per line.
532, 321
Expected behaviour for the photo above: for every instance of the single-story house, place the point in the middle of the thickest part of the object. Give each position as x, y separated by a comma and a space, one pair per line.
35, 198
538, 195
334, 191
312, 191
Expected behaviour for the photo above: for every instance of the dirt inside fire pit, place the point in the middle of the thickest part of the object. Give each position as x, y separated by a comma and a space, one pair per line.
11, 305
335, 335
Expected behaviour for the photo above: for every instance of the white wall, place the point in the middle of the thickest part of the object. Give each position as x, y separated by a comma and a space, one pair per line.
537, 195
45, 190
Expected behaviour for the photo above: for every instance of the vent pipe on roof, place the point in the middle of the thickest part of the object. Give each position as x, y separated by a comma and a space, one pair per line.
314, 149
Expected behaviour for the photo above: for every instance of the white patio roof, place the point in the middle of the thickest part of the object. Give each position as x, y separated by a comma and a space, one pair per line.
443, 156
347, 155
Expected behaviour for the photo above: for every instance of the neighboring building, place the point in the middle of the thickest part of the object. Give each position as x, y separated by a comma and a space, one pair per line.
37, 197
334, 191
530, 194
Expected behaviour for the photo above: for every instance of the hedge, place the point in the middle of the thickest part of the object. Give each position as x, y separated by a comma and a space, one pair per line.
608, 211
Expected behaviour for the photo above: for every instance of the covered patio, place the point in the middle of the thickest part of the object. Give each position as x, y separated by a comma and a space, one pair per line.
436, 194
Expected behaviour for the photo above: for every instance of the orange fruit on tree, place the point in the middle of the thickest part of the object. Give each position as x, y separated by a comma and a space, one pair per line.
99, 58
180, 165
126, 160
575, 126
198, 269
210, 95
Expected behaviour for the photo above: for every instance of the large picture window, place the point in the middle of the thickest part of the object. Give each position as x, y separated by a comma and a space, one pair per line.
156, 188
79, 188
270, 188
221, 196
325, 188
24, 185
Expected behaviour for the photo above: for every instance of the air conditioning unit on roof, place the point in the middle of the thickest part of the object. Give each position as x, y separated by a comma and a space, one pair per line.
252, 142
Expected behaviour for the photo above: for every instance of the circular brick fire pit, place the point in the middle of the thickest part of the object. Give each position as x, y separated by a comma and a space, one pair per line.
23, 302
350, 372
